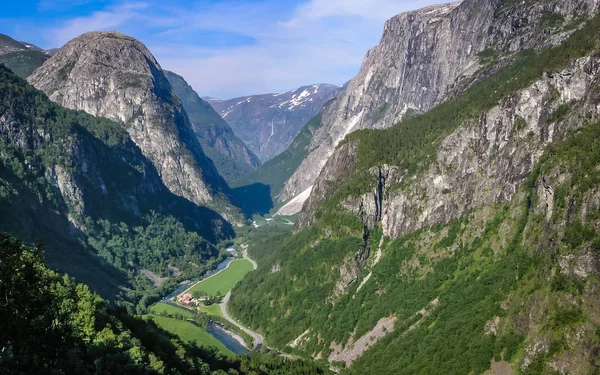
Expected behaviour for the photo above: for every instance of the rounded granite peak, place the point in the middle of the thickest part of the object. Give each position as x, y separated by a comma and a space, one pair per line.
112, 75
106, 50
100, 34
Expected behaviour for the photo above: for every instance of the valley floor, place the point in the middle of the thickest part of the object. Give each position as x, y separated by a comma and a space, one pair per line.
226, 341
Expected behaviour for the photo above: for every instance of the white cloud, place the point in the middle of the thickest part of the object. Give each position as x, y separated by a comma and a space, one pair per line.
313, 42
378, 10
102, 20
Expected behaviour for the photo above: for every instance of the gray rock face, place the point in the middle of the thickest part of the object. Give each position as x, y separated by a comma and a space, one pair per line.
424, 57
268, 123
111, 75
231, 156
484, 162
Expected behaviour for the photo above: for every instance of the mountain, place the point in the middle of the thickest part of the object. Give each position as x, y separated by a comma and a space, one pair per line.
423, 45
23, 63
52, 51
22, 58
462, 236
268, 123
80, 185
263, 186
8, 44
231, 156
111, 75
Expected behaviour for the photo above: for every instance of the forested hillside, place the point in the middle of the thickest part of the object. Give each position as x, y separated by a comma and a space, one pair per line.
457, 241
23, 63
50, 324
81, 185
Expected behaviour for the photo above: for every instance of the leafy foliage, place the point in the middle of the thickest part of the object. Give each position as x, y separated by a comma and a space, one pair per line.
79, 183
49, 324
163, 243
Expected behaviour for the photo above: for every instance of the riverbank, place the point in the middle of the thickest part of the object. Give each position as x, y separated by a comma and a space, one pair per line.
221, 329
257, 338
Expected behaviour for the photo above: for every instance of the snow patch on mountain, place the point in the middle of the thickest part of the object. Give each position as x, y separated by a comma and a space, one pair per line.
295, 205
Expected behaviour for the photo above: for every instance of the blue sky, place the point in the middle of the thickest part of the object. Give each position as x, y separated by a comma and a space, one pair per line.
224, 48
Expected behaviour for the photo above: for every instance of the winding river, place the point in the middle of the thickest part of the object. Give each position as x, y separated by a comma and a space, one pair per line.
226, 337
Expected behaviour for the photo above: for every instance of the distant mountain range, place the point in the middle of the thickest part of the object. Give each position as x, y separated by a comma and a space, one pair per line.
268, 123
231, 156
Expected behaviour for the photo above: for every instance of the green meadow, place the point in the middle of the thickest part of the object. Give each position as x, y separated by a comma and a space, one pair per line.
188, 332
212, 310
223, 281
162, 308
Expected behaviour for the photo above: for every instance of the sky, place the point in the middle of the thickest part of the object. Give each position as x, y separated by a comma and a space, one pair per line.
224, 48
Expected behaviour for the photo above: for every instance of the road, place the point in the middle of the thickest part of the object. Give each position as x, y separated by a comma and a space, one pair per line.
258, 339
245, 255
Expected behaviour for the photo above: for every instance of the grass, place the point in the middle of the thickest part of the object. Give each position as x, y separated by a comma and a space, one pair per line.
212, 310
161, 308
188, 332
223, 281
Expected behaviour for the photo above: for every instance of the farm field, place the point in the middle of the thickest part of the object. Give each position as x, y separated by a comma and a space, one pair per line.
223, 281
188, 332
161, 308
212, 310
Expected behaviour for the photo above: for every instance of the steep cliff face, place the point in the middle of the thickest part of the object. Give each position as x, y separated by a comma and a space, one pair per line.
82, 186
484, 162
471, 231
428, 55
111, 75
269, 123
231, 156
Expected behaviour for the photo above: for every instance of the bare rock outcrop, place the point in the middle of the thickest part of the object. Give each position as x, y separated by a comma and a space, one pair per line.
111, 75
424, 57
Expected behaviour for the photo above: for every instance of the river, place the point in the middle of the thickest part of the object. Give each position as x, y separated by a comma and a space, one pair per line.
184, 285
226, 337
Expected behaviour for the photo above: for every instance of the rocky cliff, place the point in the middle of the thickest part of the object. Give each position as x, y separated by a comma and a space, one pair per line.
470, 231
82, 186
111, 75
269, 123
428, 55
231, 156
482, 163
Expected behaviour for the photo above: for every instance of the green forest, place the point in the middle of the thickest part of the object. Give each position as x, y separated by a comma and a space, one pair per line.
98, 259
96, 202
50, 324
488, 263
